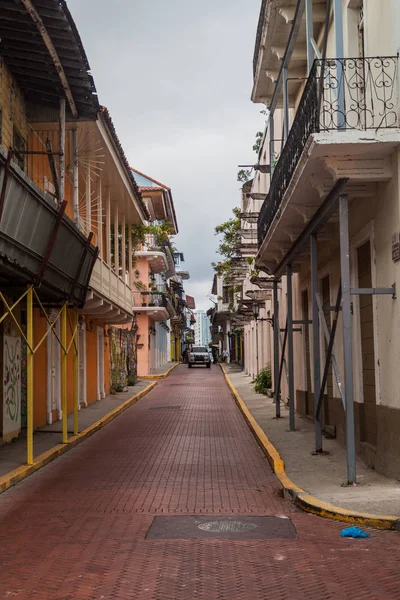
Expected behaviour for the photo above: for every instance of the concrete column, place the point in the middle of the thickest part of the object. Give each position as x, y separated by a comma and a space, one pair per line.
100, 221
116, 242
108, 227
88, 199
130, 267
123, 251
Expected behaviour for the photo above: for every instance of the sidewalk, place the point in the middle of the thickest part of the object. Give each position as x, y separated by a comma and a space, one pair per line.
13, 455
322, 475
161, 372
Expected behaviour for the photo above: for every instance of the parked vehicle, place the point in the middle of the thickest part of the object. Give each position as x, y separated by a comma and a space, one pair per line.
199, 356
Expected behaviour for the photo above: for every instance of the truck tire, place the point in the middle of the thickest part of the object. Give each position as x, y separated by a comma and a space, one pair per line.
189, 365
208, 365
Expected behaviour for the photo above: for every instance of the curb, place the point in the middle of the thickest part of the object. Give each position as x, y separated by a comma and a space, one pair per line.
300, 497
162, 376
20, 473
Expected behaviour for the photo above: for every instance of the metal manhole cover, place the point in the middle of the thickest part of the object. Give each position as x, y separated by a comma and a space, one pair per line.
165, 408
224, 526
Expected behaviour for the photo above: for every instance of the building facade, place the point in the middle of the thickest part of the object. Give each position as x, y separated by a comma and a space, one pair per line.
202, 331
68, 200
328, 229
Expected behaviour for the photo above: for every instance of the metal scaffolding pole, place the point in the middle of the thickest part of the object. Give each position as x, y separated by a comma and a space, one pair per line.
309, 35
29, 373
285, 105
316, 341
347, 337
276, 351
76, 372
290, 346
64, 400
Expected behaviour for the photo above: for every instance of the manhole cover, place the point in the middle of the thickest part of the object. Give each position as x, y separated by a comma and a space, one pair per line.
224, 526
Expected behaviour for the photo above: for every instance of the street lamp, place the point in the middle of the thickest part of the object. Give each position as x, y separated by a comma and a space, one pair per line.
256, 312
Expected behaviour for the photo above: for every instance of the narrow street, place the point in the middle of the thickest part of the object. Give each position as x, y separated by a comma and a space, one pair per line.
77, 529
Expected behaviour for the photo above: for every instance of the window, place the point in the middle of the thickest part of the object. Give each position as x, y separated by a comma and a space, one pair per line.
19, 148
225, 295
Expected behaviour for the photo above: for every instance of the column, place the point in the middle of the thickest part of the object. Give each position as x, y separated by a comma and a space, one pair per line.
316, 341
123, 250
290, 346
116, 240
347, 337
108, 227
88, 194
100, 221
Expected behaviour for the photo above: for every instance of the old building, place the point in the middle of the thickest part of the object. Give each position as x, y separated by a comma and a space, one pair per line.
68, 200
329, 226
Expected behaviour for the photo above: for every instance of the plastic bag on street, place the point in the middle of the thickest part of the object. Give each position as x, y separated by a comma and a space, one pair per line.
354, 532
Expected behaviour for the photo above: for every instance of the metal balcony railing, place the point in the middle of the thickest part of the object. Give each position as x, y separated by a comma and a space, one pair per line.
340, 94
150, 299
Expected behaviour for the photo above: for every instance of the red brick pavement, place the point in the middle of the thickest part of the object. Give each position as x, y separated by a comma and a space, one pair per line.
76, 530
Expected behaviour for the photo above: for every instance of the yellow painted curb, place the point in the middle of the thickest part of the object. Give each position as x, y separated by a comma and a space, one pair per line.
300, 497
20, 473
162, 376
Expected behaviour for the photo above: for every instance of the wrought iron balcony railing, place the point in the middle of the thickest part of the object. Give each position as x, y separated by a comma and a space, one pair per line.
150, 299
340, 94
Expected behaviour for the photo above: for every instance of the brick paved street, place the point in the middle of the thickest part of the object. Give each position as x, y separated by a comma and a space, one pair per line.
76, 529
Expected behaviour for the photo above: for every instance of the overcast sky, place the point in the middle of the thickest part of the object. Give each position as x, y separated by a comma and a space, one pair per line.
176, 76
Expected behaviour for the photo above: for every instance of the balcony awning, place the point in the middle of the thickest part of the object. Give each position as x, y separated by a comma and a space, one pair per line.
47, 59
157, 260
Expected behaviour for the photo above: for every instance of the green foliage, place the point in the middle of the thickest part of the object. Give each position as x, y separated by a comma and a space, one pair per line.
257, 143
138, 233
161, 233
263, 381
230, 231
244, 175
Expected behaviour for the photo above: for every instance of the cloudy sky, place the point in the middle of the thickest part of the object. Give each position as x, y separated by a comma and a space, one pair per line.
176, 76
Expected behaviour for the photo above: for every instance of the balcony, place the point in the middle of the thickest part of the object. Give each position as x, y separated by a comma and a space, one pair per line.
160, 258
152, 303
347, 106
111, 287
38, 243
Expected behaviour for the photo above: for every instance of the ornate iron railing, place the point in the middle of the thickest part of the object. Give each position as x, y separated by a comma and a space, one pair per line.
305, 123
340, 94
150, 299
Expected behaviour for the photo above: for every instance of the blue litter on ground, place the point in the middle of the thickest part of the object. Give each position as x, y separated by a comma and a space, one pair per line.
354, 532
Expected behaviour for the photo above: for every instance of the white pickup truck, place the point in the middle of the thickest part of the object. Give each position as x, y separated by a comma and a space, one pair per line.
199, 355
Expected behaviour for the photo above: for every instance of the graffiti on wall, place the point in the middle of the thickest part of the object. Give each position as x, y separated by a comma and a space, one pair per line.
11, 383
123, 358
